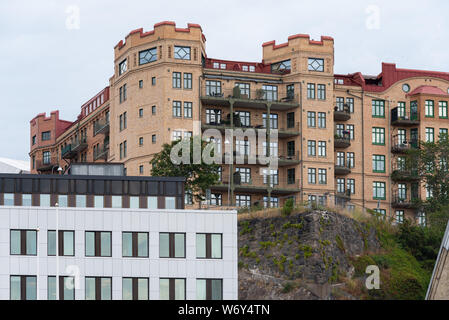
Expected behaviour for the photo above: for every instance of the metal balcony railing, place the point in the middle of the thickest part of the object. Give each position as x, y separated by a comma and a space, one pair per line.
101, 127
46, 164
405, 199
403, 118
101, 152
400, 144
342, 139
342, 113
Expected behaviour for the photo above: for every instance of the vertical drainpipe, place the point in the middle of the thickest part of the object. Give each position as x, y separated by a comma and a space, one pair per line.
268, 125
389, 156
363, 148
231, 166
301, 195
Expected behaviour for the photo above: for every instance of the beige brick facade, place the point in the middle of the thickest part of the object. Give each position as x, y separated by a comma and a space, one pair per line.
155, 65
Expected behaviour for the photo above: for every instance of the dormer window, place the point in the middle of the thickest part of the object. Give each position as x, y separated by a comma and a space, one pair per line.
216, 65
123, 67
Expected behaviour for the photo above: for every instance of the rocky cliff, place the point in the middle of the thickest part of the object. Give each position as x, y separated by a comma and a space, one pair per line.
300, 257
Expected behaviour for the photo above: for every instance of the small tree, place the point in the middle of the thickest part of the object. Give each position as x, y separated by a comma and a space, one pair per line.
199, 177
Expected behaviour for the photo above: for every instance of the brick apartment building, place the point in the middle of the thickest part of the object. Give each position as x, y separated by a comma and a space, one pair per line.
341, 138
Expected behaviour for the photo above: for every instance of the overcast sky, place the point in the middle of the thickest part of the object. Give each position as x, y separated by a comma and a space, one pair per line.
49, 61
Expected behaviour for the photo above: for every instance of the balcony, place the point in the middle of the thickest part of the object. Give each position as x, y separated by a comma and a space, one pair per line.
404, 118
342, 114
285, 131
343, 195
260, 184
342, 169
401, 145
71, 150
284, 159
342, 140
402, 173
256, 99
402, 200
101, 153
48, 164
101, 127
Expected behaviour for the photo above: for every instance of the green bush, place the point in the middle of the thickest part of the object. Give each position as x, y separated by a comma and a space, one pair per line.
287, 209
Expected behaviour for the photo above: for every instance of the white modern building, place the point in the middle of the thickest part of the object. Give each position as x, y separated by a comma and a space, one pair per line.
119, 238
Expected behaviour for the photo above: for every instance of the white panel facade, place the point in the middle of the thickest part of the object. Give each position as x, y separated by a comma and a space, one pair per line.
118, 221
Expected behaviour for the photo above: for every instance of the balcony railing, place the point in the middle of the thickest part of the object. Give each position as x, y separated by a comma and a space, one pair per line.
47, 164
342, 140
101, 152
249, 98
342, 114
283, 158
342, 169
404, 173
346, 195
400, 144
401, 117
71, 151
261, 184
101, 127
405, 200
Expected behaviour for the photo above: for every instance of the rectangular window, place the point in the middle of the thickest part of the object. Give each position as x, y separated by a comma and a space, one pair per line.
379, 136
66, 246
23, 287
44, 200
351, 185
321, 92
443, 133
350, 103
172, 245
98, 288
340, 159
290, 149
270, 177
399, 216
152, 202
98, 202
245, 91
322, 120
429, 108
153, 81
311, 119
341, 188
290, 120
311, 148
98, 243
177, 80
46, 135
187, 109
379, 191
81, 201
291, 176
272, 202
315, 64
378, 108
66, 288
135, 288
140, 84
209, 246
322, 176
153, 138
430, 135
26, 200
245, 174
172, 289
187, 81
273, 120
170, 203
340, 103
122, 67
243, 201
310, 91
23, 242
350, 129
209, 289
312, 176
443, 109
177, 109
33, 140
213, 88
135, 244
350, 159
322, 149
270, 93
182, 53
147, 56
378, 163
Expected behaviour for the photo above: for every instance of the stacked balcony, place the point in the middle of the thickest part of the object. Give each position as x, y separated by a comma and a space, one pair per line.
46, 164
71, 150
342, 113
402, 173
256, 99
401, 145
102, 152
101, 127
405, 200
402, 118
342, 140
342, 169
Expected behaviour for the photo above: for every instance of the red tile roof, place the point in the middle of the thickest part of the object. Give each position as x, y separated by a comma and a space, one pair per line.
432, 90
